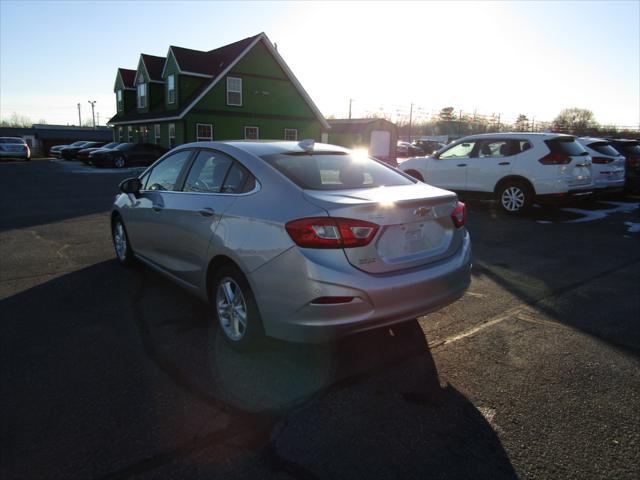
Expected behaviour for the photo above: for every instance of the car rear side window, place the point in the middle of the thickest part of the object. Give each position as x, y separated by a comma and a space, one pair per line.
565, 146
208, 172
604, 148
628, 148
165, 174
335, 170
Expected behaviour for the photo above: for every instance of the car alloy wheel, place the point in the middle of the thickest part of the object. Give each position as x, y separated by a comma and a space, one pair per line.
232, 309
513, 199
120, 241
119, 162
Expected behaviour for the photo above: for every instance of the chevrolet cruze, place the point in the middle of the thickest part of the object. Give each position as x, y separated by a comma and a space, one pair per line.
295, 240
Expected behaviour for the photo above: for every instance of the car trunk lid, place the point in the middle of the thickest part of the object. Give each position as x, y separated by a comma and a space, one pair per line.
415, 224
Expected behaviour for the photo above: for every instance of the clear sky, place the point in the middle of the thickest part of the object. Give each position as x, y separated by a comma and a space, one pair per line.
507, 57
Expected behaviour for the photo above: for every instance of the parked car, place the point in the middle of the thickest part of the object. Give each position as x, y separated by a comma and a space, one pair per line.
83, 154
14, 147
55, 150
607, 167
70, 152
126, 154
630, 149
298, 241
428, 146
514, 168
406, 150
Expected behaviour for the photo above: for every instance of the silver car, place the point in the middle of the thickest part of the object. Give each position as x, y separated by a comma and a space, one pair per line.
14, 147
295, 240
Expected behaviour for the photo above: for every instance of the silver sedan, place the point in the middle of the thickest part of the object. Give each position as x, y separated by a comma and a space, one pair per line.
295, 240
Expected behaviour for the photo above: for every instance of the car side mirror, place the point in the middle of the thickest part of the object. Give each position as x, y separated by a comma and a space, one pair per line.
131, 186
435, 154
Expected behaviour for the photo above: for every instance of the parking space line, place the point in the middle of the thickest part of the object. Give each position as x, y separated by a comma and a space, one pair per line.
525, 310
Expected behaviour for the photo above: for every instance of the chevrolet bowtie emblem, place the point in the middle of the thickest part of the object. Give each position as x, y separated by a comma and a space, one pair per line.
421, 211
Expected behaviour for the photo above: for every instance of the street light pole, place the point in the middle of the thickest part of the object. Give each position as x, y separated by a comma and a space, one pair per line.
93, 116
350, 101
79, 117
410, 120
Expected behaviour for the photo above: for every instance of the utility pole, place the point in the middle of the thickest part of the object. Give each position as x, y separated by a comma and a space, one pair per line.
533, 123
79, 117
98, 118
499, 122
350, 101
93, 116
410, 120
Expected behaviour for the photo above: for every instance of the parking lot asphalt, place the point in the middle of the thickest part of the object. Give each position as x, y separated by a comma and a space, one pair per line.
109, 373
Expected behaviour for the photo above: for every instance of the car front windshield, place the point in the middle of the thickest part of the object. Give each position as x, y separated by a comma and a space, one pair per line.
17, 141
335, 170
77, 144
124, 146
111, 145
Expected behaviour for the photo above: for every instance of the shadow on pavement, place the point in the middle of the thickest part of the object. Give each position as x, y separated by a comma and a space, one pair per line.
119, 372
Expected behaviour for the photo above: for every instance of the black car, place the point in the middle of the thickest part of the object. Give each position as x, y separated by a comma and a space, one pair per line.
55, 150
127, 154
69, 153
406, 150
428, 146
630, 149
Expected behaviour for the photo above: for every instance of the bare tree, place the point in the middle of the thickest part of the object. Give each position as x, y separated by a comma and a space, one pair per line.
575, 120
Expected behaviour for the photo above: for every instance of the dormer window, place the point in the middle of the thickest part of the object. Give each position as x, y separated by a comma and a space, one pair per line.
171, 89
120, 100
142, 95
234, 91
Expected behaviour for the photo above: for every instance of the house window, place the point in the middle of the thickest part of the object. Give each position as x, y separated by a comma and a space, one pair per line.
130, 134
142, 95
172, 135
120, 134
156, 133
171, 89
291, 134
143, 136
120, 100
234, 91
204, 132
251, 133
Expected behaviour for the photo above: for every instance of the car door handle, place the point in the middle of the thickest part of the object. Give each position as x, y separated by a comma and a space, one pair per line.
206, 212
504, 163
156, 208
462, 164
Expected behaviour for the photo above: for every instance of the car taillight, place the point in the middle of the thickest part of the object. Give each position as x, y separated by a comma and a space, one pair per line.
459, 215
555, 159
327, 232
601, 160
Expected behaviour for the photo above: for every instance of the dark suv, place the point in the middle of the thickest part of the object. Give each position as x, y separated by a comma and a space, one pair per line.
630, 149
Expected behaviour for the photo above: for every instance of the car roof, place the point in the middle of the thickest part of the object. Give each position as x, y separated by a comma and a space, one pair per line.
267, 147
514, 135
593, 139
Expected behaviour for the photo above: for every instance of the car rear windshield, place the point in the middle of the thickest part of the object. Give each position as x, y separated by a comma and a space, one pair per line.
335, 170
628, 148
604, 148
18, 141
566, 146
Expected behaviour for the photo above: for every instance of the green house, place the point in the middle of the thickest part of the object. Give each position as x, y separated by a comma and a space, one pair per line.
243, 90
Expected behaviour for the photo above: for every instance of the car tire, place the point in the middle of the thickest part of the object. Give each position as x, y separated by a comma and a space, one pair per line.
121, 244
415, 174
514, 198
120, 161
235, 309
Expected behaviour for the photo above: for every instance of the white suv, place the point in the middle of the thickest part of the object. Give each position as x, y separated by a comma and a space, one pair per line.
515, 168
608, 166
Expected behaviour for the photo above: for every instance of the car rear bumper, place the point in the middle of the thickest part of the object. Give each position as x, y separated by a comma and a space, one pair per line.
379, 300
4, 154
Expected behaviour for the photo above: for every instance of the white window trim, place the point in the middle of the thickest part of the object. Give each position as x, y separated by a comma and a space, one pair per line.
257, 132
141, 103
284, 136
156, 133
204, 139
234, 91
169, 101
